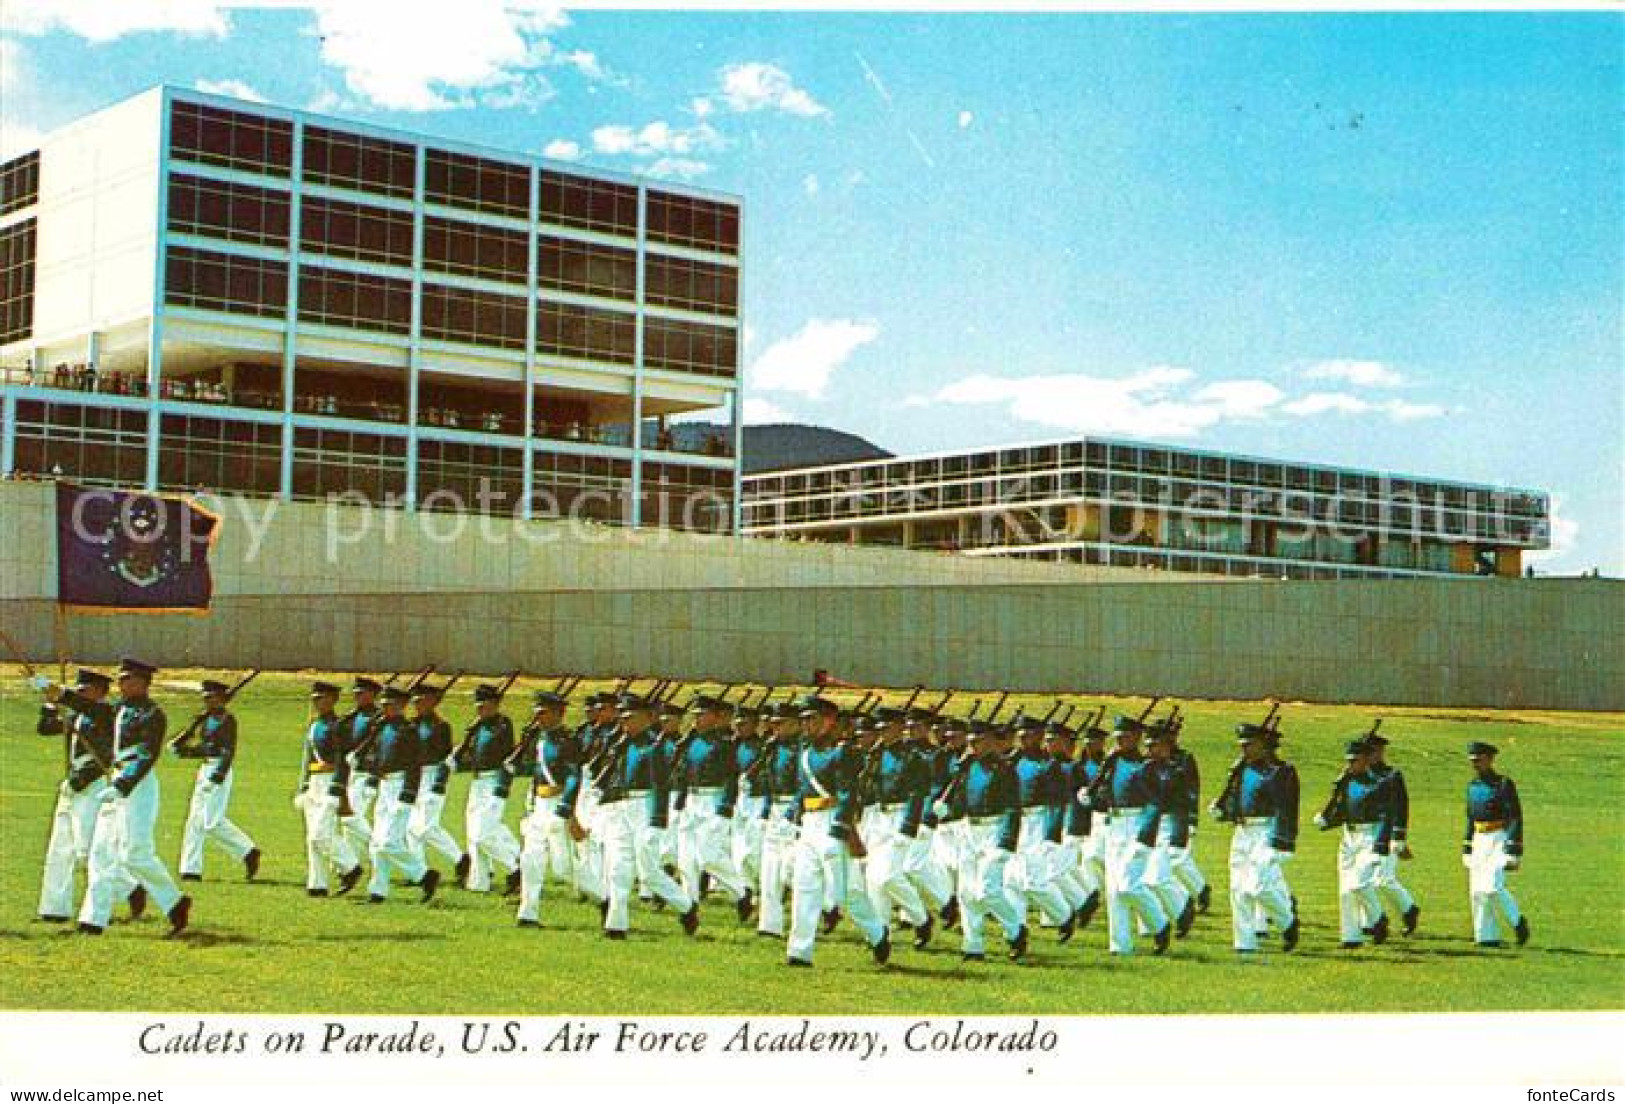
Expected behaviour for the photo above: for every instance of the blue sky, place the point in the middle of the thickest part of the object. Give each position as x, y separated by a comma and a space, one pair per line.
1390, 241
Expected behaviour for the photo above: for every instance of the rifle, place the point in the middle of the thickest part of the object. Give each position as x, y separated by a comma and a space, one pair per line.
912, 698
1146, 712
17, 655
187, 733
461, 751
1233, 781
356, 753
998, 705
1054, 709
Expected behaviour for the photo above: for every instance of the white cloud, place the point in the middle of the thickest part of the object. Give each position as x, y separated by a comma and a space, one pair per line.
765, 412
656, 139
1241, 398
760, 86
1410, 412
809, 184
584, 62
966, 119
562, 149
1360, 373
234, 88
1565, 538
803, 363
104, 21
1327, 402
677, 168
11, 65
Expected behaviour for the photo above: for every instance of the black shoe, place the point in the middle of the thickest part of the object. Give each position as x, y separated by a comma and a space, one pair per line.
973, 956
745, 906
1067, 928
89, 929
614, 933
882, 950
44, 919
180, 915
430, 883
1522, 930
530, 923
1379, 930
1187, 917
191, 877
767, 934
690, 920
375, 898
315, 893
950, 914
1289, 937
460, 871
1090, 907
1412, 917
603, 911
348, 880
1018, 945
832, 918
511, 887
138, 902
799, 963
923, 933
251, 862
1204, 898
1351, 944
1491, 943
705, 885
1262, 933
1161, 940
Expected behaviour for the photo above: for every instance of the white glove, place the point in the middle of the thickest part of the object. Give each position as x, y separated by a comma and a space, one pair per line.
1178, 853
65, 791
1513, 862
39, 682
1282, 856
941, 809
108, 796
206, 787
299, 801
1467, 861
1320, 822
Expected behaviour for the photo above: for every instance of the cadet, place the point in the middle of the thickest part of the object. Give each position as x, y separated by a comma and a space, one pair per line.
1184, 857
361, 786
936, 889
1394, 896
122, 846
946, 844
1171, 833
1261, 799
982, 798
593, 735
486, 746
394, 752
1073, 821
434, 733
1093, 847
751, 805
633, 777
549, 759
1029, 877
892, 786
778, 773
323, 777
73, 822
827, 849
1361, 804
705, 785
1127, 795
215, 730
1493, 845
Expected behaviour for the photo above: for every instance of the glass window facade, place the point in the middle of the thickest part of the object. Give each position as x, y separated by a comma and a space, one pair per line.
225, 282
477, 184
689, 347
356, 300
472, 249
227, 210
86, 443
336, 462
696, 223
581, 201
357, 231
19, 183
342, 160
17, 246
231, 139
587, 333
691, 285
587, 268
473, 317
219, 454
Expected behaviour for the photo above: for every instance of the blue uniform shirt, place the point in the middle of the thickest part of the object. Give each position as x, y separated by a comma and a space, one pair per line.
1269, 790
746, 752
397, 748
706, 761
325, 746
138, 738
1495, 799
829, 774
640, 765
897, 775
355, 725
991, 790
435, 735
1174, 801
1038, 786
217, 740
553, 762
780, 776
1367, 799
91, 729
1399, 799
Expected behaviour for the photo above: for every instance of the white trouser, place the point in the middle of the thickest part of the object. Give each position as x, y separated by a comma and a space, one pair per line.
490, 841
1492, 902
778, 863
825, 870
885, 866
325, 845
1092, 852
392, 850
746, 842
1357, 864
1029, 877
1072, 864
1258, 889
1128, 896
705, 845
122, 849
1392, 896
1184, 863
361, 792
981, 883
73, 827
206, 820
425, 832
589, 853
926, 872
548, 847
1160, 877
632, 855
945, 850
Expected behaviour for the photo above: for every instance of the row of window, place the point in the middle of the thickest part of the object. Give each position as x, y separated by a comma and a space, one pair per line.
224, 209
19, 183
17, 247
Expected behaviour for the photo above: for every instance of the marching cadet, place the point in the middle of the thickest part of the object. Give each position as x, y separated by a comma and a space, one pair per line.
1172, 830
549, 759
670, 725
633, 776
982, 797
705, 784
828, 848
1093, 849
593, 735
216, 745
89, 732
1030, 876
394, 753
1360, 804
1125, 792
486, 746
1070, 819
778, 773
1493, 845
953, 735
935, 887
434, 734
751, 805
1261, 800
1184, 857
1391, 892
361, 786
122, 845
893, 783
323, 778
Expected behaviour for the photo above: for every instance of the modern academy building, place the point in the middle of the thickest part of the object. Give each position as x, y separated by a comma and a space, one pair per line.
1128, 504
201, 292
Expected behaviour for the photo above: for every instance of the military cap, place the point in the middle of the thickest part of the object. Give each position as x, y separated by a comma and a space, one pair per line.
921, 715
394, 694
669, 708
1095, 732
1057, 731
811, 705
1246, 731
887, 714
708, 703
128, 666
485, 692
368, 684
548, 699
979, 729
1376, 739
1355, 748
1123, 724
602, 698
426, 690
1478, 747
747, 712
321, 689
213, 686
1024, 723
953, 724
87, 678
631, 703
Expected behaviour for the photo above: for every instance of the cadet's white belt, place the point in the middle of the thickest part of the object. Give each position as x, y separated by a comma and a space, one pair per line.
984, 821
630, 795
1252, 822
891, 807
706, 791
488, 775
1125, 811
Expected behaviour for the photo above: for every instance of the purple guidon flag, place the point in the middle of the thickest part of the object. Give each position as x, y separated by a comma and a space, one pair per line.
128, 551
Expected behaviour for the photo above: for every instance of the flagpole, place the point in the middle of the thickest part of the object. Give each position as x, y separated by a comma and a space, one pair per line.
59, 641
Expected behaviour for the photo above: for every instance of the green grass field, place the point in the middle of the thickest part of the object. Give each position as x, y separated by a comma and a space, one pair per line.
268, 948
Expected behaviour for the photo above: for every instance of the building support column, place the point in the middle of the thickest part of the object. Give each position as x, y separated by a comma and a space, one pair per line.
8, 432
415, 339
528, 470
290, 316
155, 328
634, 514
